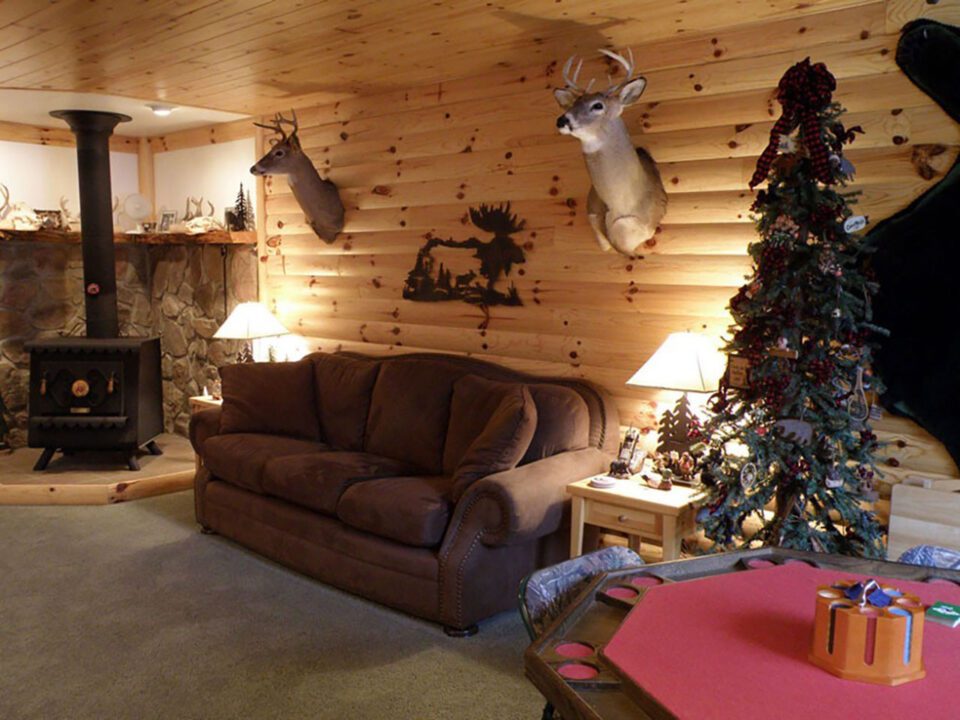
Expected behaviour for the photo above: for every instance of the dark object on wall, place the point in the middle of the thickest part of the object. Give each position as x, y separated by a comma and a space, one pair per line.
916, 249
95, 394
431, 281
318, 198
101, 392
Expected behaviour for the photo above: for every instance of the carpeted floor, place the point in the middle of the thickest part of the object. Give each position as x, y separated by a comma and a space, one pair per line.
127, 611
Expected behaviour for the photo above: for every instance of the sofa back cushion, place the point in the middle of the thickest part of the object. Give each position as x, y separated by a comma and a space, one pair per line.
271, 398
343, 386
491, 426
410, 410
563, 421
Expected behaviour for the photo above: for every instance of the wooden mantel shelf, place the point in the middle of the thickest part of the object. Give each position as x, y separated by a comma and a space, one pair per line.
218, 237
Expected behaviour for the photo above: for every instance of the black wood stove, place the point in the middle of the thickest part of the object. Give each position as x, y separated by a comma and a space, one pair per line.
99, 392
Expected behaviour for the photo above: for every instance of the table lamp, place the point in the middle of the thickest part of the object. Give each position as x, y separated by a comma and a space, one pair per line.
687, 362
249, 321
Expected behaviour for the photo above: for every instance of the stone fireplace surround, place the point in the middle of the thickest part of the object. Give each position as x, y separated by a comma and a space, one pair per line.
175, 291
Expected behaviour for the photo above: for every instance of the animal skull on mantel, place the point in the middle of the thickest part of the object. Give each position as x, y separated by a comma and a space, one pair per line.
318, 198
627, 199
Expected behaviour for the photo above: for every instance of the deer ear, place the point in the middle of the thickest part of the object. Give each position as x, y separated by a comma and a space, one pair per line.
565, 98
632, 91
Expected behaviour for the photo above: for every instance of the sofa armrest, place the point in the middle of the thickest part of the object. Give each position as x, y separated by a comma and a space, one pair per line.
527, 502
204, 424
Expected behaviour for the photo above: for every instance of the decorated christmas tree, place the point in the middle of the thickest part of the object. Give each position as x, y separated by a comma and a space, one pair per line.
788, 449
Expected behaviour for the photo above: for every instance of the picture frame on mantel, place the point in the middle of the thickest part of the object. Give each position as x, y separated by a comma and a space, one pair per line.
167, 220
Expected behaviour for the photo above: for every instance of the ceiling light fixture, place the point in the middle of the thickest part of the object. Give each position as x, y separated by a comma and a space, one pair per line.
160, 110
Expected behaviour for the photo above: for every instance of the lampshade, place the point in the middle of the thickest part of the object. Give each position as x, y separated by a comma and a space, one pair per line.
250, 320
686, 361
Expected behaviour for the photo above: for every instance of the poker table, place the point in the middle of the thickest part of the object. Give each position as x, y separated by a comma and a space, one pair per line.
728, 636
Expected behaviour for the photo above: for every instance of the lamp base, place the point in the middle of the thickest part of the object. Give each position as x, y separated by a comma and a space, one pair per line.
245, 355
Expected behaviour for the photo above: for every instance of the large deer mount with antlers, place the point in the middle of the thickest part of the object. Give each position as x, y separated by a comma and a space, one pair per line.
318, 198
627, 199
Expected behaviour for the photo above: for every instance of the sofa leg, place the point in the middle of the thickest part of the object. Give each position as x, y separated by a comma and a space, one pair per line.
204, 530
468, 631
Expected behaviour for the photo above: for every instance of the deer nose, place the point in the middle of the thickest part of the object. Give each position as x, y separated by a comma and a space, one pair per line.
563, 122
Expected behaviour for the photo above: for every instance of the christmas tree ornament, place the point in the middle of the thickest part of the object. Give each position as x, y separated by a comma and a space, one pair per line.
834, 478
748, 476
857, 405
796, 431
854, 224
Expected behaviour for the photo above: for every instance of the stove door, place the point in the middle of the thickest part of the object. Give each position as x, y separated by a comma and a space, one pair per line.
78, 387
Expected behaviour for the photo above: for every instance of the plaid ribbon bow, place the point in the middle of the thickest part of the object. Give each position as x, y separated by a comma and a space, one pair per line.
804, 90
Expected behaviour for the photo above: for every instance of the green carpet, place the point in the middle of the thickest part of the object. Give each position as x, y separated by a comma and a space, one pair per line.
127, 611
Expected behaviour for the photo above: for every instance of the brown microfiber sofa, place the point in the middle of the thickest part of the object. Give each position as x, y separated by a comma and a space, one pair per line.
430, 483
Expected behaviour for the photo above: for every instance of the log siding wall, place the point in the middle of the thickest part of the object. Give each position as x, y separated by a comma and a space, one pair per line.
411, 162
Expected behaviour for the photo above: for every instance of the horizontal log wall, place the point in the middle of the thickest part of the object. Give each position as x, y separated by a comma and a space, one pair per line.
409, 163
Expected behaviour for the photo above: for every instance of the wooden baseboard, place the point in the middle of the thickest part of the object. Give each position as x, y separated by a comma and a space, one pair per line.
96, 493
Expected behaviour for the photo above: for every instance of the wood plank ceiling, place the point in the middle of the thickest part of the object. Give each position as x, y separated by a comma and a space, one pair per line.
254, 56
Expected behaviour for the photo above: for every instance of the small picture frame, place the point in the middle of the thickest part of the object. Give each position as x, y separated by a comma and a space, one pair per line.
50, 219
167, 220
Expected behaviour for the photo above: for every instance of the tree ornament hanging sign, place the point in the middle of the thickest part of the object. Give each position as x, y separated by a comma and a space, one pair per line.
738, 372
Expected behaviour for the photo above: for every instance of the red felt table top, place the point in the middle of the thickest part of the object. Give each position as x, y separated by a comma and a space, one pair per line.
736, 646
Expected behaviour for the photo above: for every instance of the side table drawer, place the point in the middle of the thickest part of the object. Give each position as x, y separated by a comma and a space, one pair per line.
627, 520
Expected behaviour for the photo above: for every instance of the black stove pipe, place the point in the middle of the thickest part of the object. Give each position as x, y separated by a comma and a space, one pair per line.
93, 130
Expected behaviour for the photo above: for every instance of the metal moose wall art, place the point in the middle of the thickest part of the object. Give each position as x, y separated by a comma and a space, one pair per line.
318, 198
627, 199
470, 276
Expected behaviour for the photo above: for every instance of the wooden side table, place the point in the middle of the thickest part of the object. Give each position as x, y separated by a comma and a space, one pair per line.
198, 403
640, 511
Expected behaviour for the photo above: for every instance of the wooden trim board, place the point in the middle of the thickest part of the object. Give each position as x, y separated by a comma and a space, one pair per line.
96, 493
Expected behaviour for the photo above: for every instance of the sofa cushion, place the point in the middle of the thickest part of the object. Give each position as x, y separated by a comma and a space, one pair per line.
563, 421
271, 398
317, 480
410, 410
239, 458
503, 438
410, 510
343, 386
475, 400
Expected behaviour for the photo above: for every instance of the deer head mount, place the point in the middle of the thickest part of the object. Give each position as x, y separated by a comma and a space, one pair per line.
627, 199
318, 198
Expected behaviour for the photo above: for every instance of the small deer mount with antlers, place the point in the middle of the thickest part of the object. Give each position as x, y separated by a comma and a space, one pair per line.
318, 198
627, 199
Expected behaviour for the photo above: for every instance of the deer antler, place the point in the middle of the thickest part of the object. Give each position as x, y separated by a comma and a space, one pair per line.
210, 205
572, 81
5, 205
628, 66
279, 121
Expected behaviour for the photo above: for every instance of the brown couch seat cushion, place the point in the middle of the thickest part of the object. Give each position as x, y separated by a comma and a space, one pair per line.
239, 458
343, 386
491, 426
410, 510
410, 411
563, 421
317, 480
271, 398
